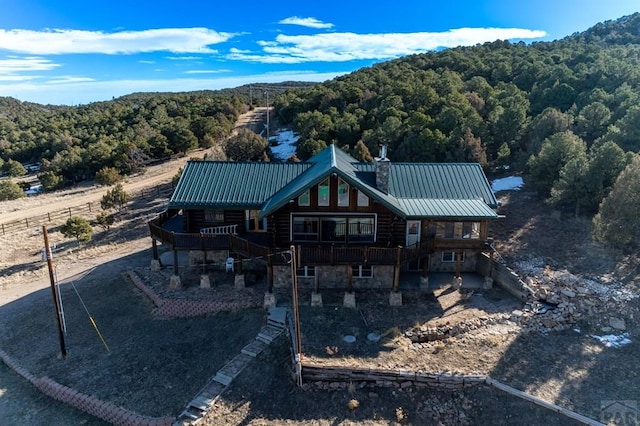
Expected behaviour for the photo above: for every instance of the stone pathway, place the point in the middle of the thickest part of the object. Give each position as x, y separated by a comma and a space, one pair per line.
204, 400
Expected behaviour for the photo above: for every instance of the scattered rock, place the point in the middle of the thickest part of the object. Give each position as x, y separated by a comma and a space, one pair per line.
617, 323
568, 293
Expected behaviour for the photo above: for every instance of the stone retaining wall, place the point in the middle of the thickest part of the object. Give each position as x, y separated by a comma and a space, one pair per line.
182, 308
87, 403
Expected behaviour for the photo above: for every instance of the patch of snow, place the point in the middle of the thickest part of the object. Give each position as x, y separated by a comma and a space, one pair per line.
512, 183
283, 144
612, 340
577, 330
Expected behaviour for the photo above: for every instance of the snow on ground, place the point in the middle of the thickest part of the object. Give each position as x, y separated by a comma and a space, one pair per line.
613, 341
283, 144
507, 183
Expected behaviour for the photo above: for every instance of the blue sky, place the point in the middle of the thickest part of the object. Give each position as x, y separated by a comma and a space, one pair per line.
76, 52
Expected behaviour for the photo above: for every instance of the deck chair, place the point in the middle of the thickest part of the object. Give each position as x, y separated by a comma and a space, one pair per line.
228, 265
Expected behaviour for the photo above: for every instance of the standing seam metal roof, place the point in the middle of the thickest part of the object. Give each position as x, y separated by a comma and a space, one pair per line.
415, 189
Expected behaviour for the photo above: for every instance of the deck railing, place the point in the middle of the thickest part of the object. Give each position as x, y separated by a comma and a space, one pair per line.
307, 255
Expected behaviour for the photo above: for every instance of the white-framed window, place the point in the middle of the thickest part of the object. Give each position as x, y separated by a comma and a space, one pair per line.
450, 256
363, 200
361, 271
343, 193
304, 199
306, 271
324, 193
211, 215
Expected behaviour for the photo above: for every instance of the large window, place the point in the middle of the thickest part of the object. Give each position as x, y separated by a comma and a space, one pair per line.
324, 191
337, 229
305, 228
455, 230
343, 193
334, 229
361, 229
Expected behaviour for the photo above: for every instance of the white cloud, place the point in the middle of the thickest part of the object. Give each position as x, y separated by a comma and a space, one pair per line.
306, 22
64, 79
15, 64
183, 58
11, 77
146, 62
341, 47
58, 41
206, 71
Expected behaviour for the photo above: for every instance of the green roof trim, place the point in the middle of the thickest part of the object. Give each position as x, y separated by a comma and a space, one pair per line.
445, 190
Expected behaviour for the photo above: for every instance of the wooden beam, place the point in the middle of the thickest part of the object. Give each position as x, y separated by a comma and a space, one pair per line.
154, 246
425, 266
175, 262
396, 270
458, 263
349, 278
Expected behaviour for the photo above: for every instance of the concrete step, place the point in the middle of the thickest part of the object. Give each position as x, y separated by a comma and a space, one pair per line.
277, 317
269, 334
254, 348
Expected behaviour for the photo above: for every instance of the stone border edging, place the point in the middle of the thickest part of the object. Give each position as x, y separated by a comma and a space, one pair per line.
87, 403
338, 377
181, 308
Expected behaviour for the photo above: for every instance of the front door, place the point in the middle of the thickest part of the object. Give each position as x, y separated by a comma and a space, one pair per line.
413, 232
413, 239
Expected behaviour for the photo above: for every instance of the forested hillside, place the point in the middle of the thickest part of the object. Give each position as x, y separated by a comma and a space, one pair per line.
564, 113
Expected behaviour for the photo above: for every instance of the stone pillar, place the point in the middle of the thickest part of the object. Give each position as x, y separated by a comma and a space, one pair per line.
316, 299
269, 300
488, 283
238, 281
457, 283
204, 281
174, 282
395, 298
424, 283
155, 265
349, 300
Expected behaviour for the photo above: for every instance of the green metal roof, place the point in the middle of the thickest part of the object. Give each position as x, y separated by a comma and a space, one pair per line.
451, 190
450, 209
230, 184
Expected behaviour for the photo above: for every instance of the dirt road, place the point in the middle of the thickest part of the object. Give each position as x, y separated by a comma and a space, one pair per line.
42, 204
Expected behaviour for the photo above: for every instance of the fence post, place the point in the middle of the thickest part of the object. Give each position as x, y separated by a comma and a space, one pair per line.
3, 229
89, 203
69, 211
26, 220
49, 216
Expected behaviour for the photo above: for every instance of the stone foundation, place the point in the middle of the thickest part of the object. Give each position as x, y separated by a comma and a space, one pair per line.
155, 265
215, 258
316, 300
488, 283
456, 284
395, 298
238, 282
349, 300
174, 282
424, 283
204, 281
269, 300
334, 277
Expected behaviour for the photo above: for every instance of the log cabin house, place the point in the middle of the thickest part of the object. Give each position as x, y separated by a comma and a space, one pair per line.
352, 224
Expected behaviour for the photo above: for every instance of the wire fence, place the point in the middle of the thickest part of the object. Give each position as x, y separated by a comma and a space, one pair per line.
87, 210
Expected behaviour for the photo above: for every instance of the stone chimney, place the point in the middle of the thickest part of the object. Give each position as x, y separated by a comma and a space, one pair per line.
383, 165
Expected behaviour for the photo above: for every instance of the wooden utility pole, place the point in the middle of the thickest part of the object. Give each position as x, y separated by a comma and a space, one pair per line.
54, 291
296, 313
